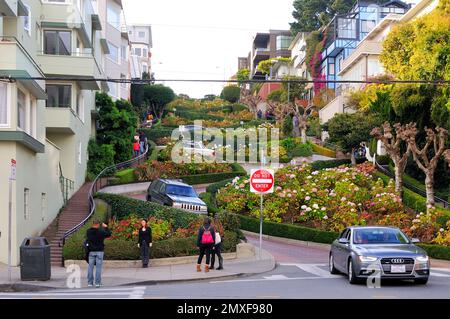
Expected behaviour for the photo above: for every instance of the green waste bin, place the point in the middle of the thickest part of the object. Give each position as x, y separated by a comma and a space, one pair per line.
35, 262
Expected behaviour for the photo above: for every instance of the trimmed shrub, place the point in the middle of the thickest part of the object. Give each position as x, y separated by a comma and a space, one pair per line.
323, 151
125, 176
288, 231
302, 150
231, 93
101, 156
213, 188
122, 207
436, 251
319, 165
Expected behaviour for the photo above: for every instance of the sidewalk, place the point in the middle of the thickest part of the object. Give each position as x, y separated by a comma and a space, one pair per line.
113, 277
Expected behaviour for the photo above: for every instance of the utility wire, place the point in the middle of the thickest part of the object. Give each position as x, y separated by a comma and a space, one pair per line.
292, 81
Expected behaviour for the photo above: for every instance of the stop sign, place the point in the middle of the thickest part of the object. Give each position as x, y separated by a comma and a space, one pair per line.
262, 181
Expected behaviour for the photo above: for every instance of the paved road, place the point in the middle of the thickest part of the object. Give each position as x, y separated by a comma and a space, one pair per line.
301, 273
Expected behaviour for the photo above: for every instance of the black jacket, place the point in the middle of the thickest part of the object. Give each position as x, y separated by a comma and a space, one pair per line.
145, 235
96, 238
200, 234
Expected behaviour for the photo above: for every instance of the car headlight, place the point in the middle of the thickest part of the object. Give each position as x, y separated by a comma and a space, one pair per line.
367, 259
422, 259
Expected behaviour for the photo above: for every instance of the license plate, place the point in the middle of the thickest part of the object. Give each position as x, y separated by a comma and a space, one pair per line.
397, 269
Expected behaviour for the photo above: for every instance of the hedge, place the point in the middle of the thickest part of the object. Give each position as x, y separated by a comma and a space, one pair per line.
320, 165
323, 151
122, 207
436, 251
288, 231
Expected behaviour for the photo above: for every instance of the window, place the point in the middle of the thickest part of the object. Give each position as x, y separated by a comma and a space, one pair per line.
367, 25
283, 42
123, 52
114, 17
33, 106
331, 69
123, 78
138, 51
145, 53
59, 95
57, 42
4, 116
21, 109
113, 52
27, 20
113, 89
80, 105
79, 153
141, 34
43, 206
144, 68
347, 28
26, 203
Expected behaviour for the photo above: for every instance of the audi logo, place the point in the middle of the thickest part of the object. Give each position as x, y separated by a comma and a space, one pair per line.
397, 261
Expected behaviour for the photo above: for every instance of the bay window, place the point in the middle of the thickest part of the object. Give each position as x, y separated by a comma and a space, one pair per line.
21, 109
4, 112
57, 42
59, 95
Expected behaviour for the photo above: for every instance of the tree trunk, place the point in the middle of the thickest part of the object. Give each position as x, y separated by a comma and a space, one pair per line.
398, 179
353, 157
429, 185
304, 139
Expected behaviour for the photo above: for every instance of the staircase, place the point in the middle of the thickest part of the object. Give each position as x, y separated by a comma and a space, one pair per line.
75, 212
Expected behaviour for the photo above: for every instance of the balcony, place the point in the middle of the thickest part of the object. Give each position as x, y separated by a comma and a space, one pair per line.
78, 65
68, 15
60, 120
12, 8
363, 49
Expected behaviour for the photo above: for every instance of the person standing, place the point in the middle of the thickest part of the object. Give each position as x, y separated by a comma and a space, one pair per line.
96, 236
217, 250
205, 242
296, 125
145, 242
136, 148
142, 142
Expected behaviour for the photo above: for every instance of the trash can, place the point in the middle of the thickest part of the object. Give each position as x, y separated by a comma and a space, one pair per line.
35, 263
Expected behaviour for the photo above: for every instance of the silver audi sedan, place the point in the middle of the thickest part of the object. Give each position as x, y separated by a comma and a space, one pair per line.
363, 252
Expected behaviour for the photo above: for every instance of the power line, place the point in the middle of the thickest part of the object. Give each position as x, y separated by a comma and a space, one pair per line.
292, 81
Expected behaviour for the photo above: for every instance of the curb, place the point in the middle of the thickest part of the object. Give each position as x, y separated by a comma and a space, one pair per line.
289, 241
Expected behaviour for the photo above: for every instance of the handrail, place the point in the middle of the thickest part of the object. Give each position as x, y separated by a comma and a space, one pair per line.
94, 188
415, 189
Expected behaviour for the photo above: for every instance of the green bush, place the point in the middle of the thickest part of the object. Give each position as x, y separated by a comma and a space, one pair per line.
209, 200
154, 134
302, 150
383, 160
231, 93
436, 251
122, 207
319, 165
100, 157
213, 188
125, 176
288, 231
288, 126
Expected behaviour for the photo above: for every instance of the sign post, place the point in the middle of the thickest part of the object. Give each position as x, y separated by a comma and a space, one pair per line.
12, 178
262, 182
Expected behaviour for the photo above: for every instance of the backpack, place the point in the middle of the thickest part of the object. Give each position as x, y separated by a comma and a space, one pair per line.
207, 237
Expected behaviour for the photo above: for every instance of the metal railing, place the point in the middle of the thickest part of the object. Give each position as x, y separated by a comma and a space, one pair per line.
100, 182
67, 186
412, 187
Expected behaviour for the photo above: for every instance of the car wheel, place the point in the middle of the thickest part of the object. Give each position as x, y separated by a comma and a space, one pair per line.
421, 281
352, 278
333, 269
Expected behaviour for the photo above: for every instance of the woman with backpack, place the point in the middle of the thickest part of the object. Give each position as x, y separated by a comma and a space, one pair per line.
205, 242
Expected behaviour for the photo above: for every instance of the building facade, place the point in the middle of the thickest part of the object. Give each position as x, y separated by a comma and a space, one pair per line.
141, 45
45, 123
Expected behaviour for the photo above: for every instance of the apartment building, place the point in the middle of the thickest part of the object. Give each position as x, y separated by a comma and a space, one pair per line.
45, 125
242, 63
141, 45
363, 62
115, 45
268, 45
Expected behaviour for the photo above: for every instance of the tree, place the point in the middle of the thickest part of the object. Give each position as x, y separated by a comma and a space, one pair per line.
118, 124
252, 100
231, 93
428, 156
243, 75
393, 145
157, 97
294, 90
348, 131
101, 156
311, 15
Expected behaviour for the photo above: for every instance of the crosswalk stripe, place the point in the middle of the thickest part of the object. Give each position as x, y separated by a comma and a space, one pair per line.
276, 277
312, 269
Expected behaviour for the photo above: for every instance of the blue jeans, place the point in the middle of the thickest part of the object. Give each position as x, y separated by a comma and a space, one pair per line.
95, 259
142, 144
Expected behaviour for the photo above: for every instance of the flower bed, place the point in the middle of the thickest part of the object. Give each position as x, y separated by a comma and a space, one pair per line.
174, 231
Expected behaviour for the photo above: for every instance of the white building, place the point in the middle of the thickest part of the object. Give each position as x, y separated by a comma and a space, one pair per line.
141, 45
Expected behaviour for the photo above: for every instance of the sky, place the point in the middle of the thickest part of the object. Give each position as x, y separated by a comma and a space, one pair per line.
202, 39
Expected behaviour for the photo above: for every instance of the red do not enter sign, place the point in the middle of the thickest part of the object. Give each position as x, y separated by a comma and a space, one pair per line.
262, 181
